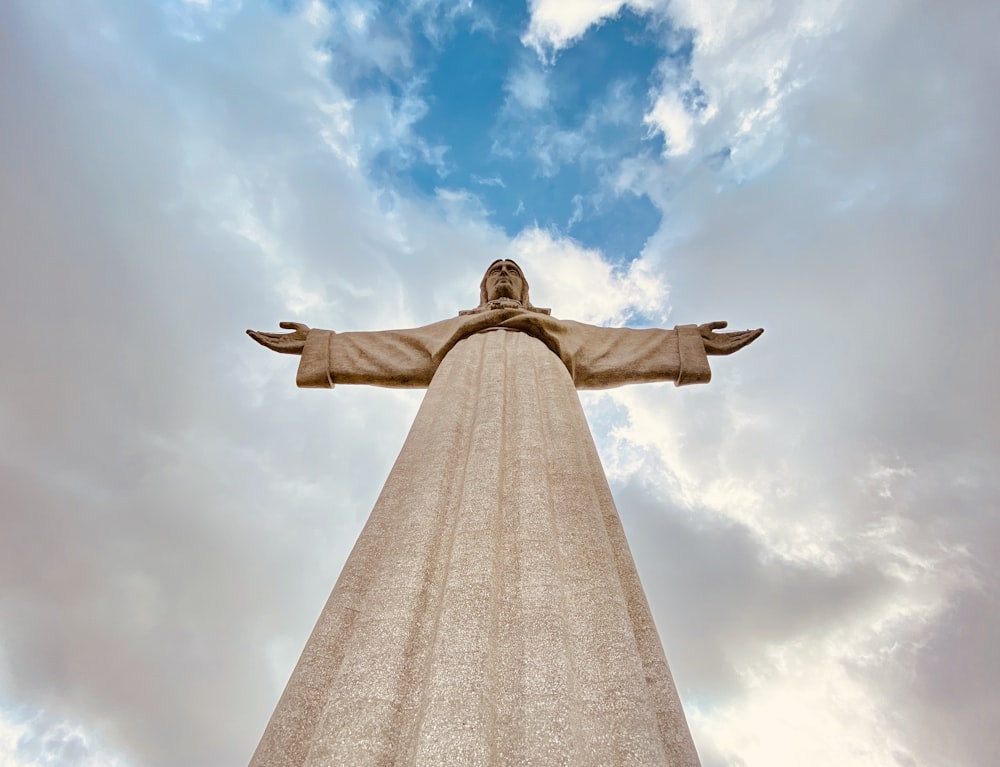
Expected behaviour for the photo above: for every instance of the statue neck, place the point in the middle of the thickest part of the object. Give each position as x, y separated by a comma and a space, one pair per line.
503, 303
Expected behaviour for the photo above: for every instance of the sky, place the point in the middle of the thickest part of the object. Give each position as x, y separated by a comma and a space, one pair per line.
817, 530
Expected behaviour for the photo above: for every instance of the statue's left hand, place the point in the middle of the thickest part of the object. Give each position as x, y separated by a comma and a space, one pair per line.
285, 343
725, 343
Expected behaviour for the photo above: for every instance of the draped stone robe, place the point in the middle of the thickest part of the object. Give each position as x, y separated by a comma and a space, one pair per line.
490, 612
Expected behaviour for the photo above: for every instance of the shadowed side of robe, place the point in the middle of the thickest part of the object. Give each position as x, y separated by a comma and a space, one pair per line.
490, 612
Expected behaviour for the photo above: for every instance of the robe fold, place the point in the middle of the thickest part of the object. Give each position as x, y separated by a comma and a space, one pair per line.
490, 611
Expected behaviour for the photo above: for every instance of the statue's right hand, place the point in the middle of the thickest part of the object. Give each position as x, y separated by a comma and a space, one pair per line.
285, 343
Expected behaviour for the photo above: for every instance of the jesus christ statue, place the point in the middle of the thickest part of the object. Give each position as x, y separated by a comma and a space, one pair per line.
490, 612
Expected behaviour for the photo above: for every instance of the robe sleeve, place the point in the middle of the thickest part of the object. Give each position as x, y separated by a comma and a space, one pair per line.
397, 358
601, 358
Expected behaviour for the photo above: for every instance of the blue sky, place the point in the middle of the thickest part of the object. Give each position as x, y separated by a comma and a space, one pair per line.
502, 125
816, 530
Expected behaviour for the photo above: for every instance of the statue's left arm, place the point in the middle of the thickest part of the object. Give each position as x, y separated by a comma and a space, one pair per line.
601, 358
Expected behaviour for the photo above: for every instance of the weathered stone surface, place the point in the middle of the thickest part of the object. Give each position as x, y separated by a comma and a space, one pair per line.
490, 612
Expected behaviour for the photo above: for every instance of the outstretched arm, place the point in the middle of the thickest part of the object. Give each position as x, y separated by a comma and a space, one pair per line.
403, 358
724, 343
599, 358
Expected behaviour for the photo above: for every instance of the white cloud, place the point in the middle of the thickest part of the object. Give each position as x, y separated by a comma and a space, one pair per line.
40, 741
806, 703
192, 19
555, 24
337, 128
811, 699
578, 284
528, 88
881, 478
718, 24
317, 13
669, 116
747, 58
488, 181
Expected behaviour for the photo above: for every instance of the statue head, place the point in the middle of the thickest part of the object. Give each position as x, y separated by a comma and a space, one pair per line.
503, 279
503, 282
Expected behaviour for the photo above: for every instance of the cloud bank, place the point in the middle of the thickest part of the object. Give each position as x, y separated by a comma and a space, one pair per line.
816, 530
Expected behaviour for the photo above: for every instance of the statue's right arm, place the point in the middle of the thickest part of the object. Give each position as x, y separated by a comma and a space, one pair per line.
396, 358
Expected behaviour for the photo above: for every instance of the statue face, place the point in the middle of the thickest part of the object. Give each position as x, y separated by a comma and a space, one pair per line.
504, 280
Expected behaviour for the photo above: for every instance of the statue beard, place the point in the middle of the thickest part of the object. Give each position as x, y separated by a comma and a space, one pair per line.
504, 290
